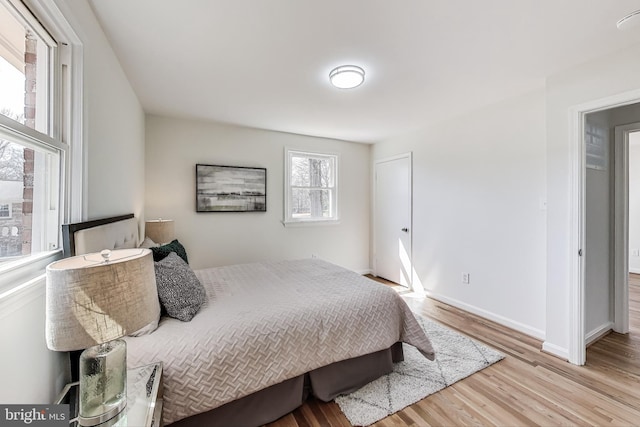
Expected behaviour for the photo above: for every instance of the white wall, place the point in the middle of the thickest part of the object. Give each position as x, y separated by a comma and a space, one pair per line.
634, 201
30, 372
598, 79
114, 144
479, 186
115, 127
598, 208
175, 146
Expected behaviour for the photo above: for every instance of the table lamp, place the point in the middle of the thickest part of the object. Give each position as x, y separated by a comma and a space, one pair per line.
91, 301
160, 230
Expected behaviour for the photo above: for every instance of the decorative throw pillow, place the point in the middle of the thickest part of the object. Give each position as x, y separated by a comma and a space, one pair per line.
160, 252
180, 292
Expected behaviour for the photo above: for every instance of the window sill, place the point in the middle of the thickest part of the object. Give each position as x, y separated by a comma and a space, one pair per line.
18, 296
15, 273
311, 223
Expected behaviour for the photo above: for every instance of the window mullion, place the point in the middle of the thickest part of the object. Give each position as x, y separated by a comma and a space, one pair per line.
303, 187
28, 137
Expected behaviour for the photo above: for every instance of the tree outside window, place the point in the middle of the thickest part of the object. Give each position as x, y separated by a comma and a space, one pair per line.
311, 187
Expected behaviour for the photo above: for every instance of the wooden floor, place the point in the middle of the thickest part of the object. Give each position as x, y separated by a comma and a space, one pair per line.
527, 388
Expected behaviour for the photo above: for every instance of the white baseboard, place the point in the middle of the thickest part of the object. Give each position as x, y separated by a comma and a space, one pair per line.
634, 270
520, 327
363, 272
598, 333
555, 350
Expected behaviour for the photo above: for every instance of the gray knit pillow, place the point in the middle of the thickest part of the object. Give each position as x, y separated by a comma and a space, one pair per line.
181, 293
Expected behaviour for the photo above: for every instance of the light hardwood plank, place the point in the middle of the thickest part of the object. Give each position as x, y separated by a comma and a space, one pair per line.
527, 388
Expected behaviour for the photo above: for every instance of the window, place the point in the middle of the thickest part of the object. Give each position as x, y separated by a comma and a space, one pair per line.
26, 52
5, 211
311, 187
37, 93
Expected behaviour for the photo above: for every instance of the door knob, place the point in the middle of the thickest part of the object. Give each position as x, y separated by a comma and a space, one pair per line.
406, 230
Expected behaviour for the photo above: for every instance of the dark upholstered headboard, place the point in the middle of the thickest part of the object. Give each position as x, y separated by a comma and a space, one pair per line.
69, 230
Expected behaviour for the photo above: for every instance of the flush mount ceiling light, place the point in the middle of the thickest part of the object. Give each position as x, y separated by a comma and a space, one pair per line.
629, 21
346, 76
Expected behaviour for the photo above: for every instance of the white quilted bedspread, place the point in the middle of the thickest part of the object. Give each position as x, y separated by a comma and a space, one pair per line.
264, 323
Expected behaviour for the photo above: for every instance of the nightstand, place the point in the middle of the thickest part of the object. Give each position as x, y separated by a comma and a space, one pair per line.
144, 399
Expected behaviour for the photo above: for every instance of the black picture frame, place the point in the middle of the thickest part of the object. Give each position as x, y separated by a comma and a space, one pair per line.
230, 188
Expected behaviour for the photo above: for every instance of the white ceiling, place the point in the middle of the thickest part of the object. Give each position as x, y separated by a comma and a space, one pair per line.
265, 63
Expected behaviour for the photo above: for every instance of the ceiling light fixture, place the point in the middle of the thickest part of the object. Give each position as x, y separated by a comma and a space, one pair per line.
346, 76
629, 21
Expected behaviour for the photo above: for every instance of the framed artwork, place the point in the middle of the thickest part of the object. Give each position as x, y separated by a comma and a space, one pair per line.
230, 189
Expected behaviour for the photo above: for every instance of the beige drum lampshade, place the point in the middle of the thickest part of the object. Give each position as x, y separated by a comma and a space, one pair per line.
95, 298
160, 230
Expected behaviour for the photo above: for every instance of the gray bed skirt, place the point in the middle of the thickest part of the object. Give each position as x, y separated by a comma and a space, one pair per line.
278, 400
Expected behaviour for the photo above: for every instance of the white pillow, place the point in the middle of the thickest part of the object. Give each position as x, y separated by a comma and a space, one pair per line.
146, 330
147, 243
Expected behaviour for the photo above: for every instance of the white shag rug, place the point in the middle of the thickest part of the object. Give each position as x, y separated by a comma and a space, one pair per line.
457, 357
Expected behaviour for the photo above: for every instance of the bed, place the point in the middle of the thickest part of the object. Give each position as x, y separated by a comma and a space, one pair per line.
268, 335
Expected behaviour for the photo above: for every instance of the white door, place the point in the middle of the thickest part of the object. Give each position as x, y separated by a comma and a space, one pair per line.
392, 221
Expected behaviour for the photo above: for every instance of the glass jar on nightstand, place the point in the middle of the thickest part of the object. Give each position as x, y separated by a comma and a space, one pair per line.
144, 399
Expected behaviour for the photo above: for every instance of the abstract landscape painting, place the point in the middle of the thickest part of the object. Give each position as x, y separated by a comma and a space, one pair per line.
230, 189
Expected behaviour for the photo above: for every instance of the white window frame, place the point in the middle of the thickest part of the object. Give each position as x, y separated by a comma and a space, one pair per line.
289, 219
65, 138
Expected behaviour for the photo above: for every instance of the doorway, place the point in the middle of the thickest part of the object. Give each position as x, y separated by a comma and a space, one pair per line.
610, 211
626, 243
626, 108
633, 288
393, 199
633, 138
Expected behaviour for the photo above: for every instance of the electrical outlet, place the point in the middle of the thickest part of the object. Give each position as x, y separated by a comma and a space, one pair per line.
635, 252
466, 278
543, 204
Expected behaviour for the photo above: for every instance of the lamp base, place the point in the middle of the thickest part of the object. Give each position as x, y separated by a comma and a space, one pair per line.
103, 382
